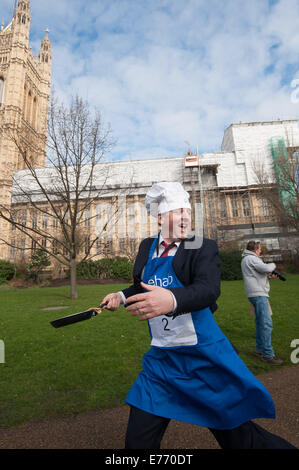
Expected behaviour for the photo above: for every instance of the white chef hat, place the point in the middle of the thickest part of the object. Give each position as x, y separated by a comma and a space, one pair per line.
166, 196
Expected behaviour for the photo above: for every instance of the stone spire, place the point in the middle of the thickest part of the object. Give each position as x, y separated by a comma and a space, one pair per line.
45, 55
21, 20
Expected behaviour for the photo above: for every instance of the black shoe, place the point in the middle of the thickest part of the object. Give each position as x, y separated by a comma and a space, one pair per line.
275, 361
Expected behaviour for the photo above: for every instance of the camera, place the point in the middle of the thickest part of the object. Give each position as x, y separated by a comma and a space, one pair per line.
279, 275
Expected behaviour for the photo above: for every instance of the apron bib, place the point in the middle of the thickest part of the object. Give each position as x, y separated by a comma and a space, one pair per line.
191, 372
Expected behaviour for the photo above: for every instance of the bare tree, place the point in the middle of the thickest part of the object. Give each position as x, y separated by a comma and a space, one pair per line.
60, 197
279, 183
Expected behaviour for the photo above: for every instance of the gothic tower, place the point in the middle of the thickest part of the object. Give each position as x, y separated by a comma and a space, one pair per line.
24, 98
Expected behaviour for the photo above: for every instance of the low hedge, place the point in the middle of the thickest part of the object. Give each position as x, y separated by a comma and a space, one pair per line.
122, 268
231, 265
106, 268
7, 271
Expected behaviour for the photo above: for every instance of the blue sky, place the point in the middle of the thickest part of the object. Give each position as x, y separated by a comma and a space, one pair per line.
164, 72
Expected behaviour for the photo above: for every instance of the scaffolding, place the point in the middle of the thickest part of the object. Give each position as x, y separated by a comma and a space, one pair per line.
282, 171
226, 214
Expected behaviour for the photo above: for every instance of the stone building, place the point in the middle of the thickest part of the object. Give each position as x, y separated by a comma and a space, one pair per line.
24, 97
223, 186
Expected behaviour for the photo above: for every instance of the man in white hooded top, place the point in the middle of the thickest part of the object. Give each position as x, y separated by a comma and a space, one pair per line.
256, 275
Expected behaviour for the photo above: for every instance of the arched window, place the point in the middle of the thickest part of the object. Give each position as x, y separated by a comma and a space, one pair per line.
1, 91
24, 101
29, 105
34, 113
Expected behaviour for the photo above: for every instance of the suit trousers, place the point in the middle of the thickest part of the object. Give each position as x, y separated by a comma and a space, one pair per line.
145, 431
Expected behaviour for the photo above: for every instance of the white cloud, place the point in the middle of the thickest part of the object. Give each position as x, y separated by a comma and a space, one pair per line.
163, 74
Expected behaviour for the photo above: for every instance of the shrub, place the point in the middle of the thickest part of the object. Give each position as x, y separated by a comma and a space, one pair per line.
122, 268
38, 262
7, 271
106, 268
292, 268
292, 264
87, 270
231, 265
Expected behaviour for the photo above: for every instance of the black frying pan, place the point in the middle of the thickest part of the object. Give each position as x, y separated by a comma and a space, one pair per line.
76, 317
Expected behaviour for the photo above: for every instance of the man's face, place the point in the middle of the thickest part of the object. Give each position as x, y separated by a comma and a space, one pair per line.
176, 224
258, 250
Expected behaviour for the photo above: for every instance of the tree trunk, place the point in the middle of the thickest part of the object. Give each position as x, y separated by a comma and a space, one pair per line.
73, 273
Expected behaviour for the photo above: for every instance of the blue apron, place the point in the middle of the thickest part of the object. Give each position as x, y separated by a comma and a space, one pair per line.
191, 372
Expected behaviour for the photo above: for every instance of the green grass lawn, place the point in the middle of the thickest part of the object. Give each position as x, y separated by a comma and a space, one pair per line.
92, 364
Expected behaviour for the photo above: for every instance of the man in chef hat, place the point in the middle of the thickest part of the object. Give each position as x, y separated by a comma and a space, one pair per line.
191, 373
169, 203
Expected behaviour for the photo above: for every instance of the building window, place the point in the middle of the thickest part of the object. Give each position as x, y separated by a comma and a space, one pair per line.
14, 221
22, 248
109, 246
235, 210
34, 115
132, 245
29, 106
24, 100
24, 218
13, 249
105, 218
131, 220
100, 246
34, 220
55, 247
66, 218
55, 222
211, 209
87, 245
223, 212
246, 207
45, 221
1, 91
122, 244
87, 217
265, 207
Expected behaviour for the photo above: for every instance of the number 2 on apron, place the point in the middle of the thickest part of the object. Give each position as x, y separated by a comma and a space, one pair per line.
167, 332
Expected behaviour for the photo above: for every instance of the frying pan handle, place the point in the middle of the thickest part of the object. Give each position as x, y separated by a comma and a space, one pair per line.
103, 305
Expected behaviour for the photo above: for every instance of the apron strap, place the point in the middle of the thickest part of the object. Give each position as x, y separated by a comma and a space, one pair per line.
166, 249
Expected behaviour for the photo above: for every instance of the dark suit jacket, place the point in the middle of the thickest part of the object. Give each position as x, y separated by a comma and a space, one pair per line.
197, 269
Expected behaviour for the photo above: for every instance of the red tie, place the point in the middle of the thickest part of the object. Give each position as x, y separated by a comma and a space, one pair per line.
166, 245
